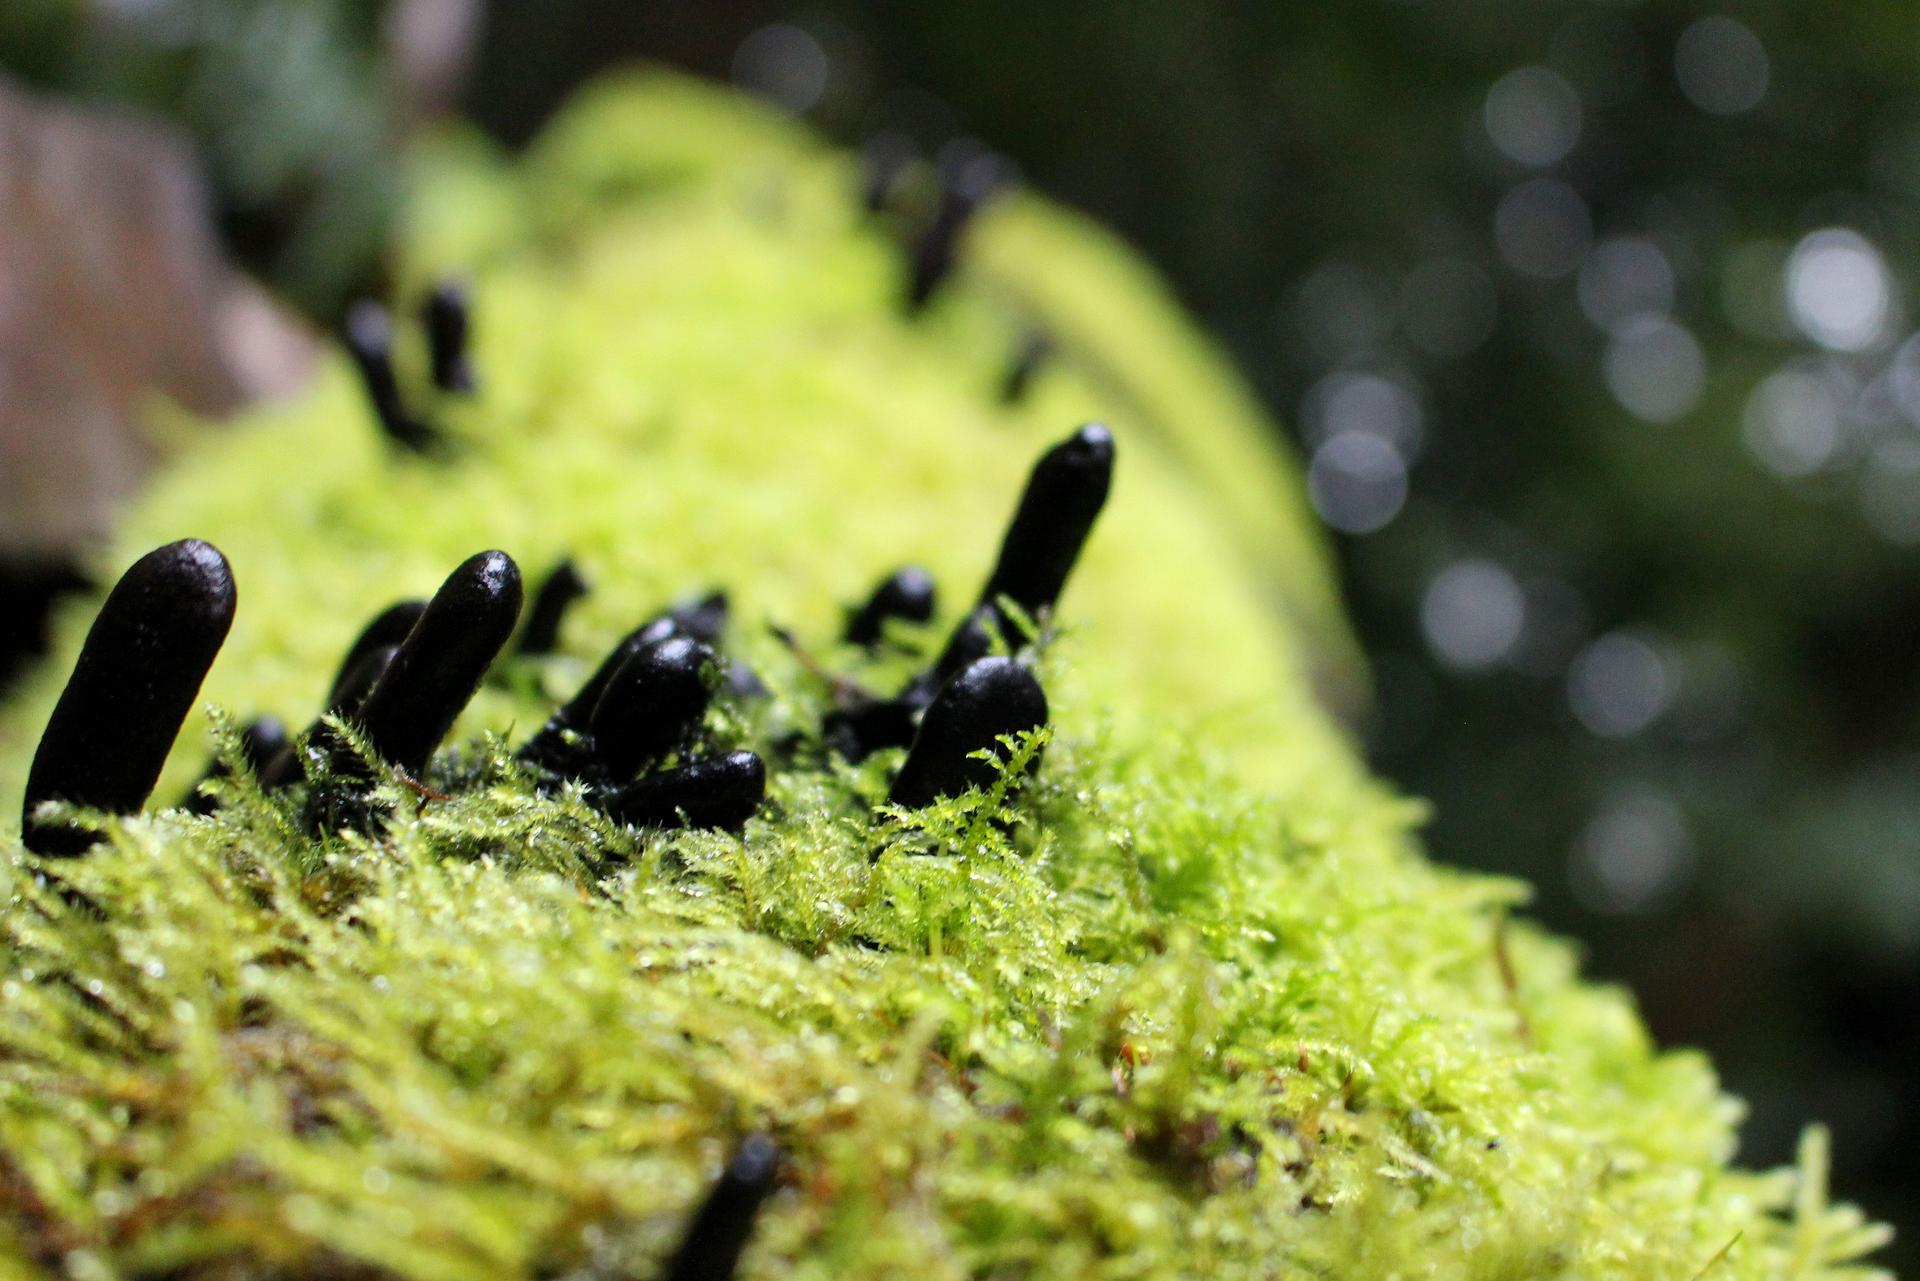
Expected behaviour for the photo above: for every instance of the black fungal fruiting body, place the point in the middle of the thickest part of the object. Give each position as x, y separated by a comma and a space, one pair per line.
906, 594
711, 1248
990, 698
439, 665
369, 339
428, 681
561, 587
965, 187
386, 630
653, 704
137, 676
972, 639
1064, 495
446, 317
1033, 352
716, 791
1056, 512
365, 662
358, 681
560, 746
705, 619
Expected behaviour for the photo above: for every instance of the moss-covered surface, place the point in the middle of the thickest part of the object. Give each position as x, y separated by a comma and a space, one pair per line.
1200, 1009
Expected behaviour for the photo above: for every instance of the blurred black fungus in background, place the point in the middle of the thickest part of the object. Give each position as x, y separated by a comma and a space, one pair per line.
1595, 321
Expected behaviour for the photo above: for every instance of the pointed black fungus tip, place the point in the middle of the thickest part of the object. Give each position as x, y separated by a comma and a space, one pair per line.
990, 698
136, 679
717, 791
447, 318
906, 594
561, 587
653, 704
723, 1224
1091, 446
440, 663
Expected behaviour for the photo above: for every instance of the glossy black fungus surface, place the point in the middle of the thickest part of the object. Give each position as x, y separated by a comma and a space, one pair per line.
906, 594
561, 587
440, 664
653, 705
1064, 495
992, 697
716, 791
711, 1248
386, 629
262, 741
446, 316
369, 340
136, 679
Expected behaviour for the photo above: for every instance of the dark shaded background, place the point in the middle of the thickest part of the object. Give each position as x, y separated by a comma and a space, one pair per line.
1595, 319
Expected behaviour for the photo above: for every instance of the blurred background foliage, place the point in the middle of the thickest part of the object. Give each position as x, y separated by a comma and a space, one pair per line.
1594, 319
287, 101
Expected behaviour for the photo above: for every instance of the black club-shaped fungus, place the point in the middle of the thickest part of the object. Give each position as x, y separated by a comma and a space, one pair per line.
136, 679
990, 698
721, 1227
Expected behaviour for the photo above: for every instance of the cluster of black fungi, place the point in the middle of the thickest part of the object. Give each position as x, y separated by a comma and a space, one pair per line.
414, 667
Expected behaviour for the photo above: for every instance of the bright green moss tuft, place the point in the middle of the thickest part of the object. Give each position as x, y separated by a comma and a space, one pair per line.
1189, 1003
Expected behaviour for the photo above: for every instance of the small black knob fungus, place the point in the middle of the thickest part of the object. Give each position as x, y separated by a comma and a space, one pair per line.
711, 1249
386, 630
906, 594
1064, 495
262, 740
446, 317
561, 587
990, 698
137, 676
715, 791
439, 665
369, 339
653, 704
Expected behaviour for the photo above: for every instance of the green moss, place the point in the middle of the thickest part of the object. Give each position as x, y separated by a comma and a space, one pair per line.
1189, 1003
